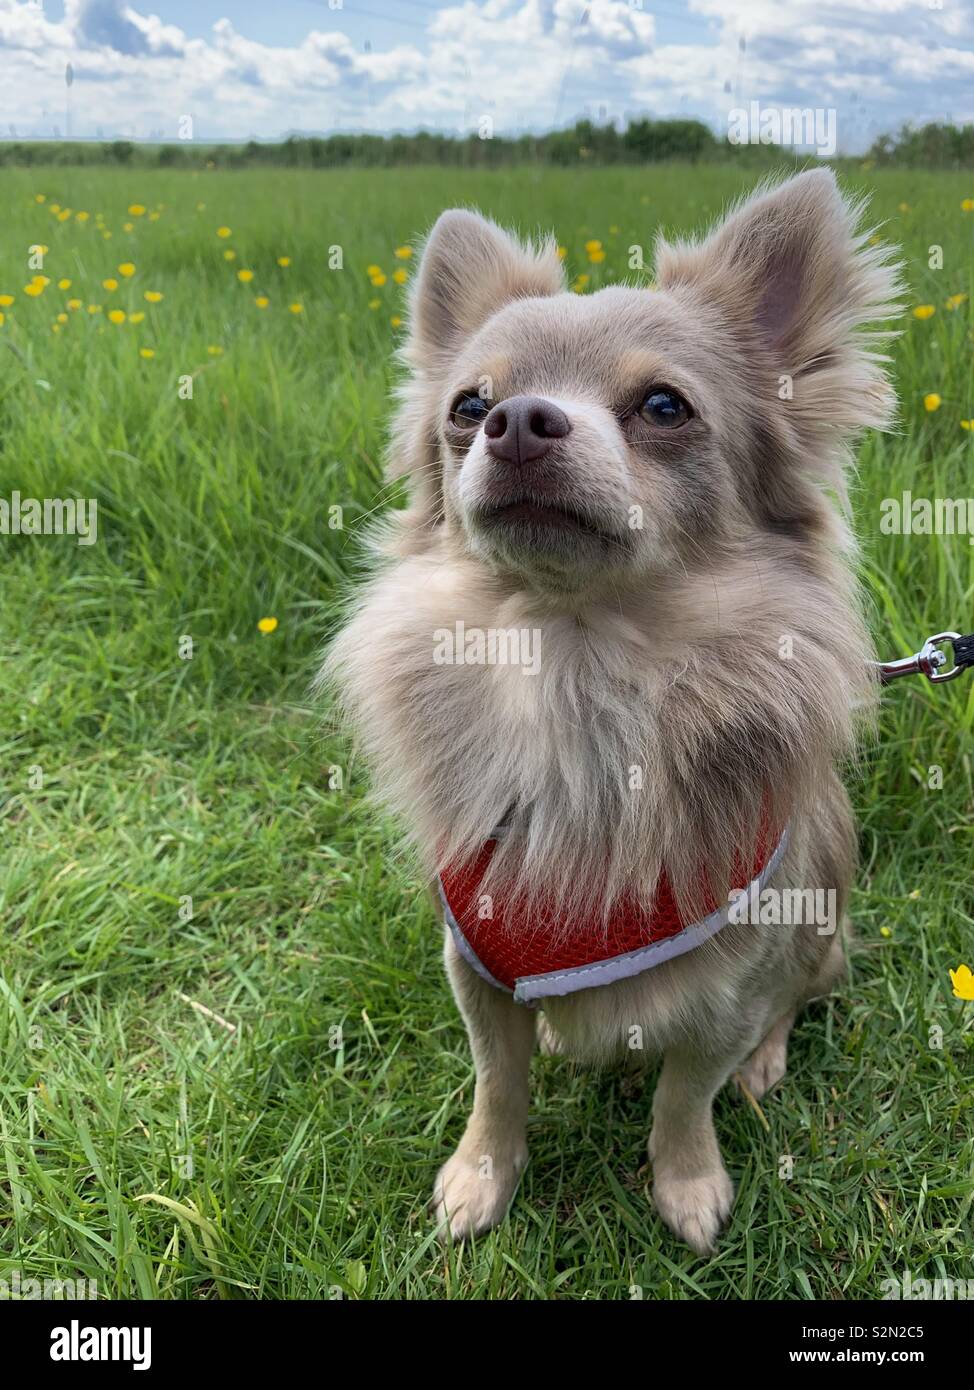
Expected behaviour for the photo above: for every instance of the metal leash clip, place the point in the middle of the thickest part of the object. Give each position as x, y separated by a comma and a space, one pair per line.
928, 662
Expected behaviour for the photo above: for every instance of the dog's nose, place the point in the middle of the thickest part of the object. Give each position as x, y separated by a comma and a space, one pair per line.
522, 428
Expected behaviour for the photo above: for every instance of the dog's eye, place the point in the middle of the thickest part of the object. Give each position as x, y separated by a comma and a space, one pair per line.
666, 408
469, 411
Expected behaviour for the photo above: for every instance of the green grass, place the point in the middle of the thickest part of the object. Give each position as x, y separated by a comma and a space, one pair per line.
316, 1125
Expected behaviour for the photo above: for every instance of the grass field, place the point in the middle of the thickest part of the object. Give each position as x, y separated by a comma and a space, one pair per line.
249, 1095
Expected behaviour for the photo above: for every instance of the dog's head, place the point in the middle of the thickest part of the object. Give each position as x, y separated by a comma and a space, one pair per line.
569, 440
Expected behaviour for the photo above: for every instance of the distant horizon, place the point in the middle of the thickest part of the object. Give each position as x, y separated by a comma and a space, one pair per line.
155, 140
316, 68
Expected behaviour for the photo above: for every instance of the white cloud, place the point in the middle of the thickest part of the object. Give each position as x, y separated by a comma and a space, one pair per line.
525, 63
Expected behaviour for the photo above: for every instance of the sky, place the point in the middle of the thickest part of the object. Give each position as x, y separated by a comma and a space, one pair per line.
240, 69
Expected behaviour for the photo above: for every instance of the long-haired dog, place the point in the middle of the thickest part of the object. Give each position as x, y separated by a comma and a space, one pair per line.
645, 486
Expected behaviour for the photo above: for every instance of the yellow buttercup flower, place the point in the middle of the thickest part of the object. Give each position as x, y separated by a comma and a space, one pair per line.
400, 276
109, 284
378, 280
64, 284
215, 351
245, 275
396, 321
284, 261
39, 280
967, 205
229, 255
562, 252
62, 318
39, 198
153, 296
154, 216
371, 270
963, 981
267, 625
127, 269
596, 257
296, 308
55, 207
82, 216
223, 231
904, 207
375, 303
967, 424
94, 308
955, 301
403, 253
147, 352
932, 402
136, 209
591, 246
6, 300
74, 304
116, 315
34, 289
64, 214
137, 317
262, 301
3, 318
924, 311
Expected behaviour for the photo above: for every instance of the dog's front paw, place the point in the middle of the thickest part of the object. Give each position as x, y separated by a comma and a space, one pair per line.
473, 1191
695, 1208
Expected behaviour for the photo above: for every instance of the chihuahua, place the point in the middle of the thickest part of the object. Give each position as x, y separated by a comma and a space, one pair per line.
611, 656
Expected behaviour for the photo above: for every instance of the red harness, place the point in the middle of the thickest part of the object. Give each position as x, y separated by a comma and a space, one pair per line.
555, 956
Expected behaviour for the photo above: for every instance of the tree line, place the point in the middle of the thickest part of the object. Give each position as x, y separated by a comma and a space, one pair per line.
640, 142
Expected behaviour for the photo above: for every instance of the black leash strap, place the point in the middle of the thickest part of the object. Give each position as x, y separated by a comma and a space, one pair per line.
931, 659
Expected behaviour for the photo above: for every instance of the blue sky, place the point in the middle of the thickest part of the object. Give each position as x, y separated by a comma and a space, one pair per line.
239, 69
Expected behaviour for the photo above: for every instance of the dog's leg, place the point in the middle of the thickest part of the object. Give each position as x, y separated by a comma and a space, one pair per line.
691, 1188
768, 1062
832, 969
550, 1043
474, 1188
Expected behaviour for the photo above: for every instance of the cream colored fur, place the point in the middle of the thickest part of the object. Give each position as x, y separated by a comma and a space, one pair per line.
694, 666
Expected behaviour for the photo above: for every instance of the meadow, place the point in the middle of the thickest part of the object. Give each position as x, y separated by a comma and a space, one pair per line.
230, 1062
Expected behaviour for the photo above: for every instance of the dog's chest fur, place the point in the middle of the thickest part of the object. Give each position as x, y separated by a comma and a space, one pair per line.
634, 745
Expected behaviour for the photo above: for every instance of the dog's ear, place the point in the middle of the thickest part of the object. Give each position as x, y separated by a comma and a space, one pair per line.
470, 267
791, 277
